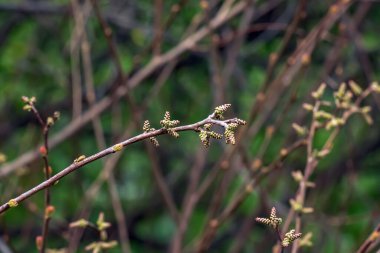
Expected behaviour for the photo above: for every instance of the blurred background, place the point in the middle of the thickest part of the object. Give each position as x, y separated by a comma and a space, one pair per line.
107, 65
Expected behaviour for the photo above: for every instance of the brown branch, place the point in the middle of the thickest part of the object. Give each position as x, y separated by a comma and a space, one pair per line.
158, 29
44, 150
370, 241
78, 163
107, 31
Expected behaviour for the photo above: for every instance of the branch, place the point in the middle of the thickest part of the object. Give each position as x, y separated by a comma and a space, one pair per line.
44, 151
82, 160
371, 240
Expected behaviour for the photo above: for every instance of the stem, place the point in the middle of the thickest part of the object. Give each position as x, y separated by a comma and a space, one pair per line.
45, 132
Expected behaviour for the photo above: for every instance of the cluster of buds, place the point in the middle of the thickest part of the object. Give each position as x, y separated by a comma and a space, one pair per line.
343, 97
29, 105
205, 136
220, 110
229, 128
52, 119
147, 129
29, 102
169, 124
229, 133
205, 132
274, 222
290, 237
334, 122
101, 225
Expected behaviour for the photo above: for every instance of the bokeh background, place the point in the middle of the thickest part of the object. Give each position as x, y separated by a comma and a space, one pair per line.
109, 65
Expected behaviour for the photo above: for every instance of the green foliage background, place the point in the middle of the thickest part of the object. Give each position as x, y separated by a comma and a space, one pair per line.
35, 61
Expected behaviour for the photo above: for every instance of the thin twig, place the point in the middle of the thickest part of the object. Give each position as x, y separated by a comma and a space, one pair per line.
47, 171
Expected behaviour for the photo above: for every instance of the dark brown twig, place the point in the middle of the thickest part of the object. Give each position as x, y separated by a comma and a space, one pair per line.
44, 151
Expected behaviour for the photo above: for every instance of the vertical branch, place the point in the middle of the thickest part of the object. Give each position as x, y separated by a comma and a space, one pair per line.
75, 59
44, 151
157, 27
189, 201
107, 31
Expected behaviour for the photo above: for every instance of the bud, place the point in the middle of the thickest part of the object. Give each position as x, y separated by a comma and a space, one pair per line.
214, 223
49, 210
117, 147
43, 151
307, 107
307, 210
27, 108
50, 121
25, 99
306, 240
79, 223
283, 152
249, 188
324, 152
296, 206
355, 87
79, 159
297, 175
56, 115
39, 242
319, 92
256, 164
12, 203
3, 158
299, 130
305, 59
375, 87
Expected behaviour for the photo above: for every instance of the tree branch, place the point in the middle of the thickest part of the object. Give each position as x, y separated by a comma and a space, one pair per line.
82, 160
